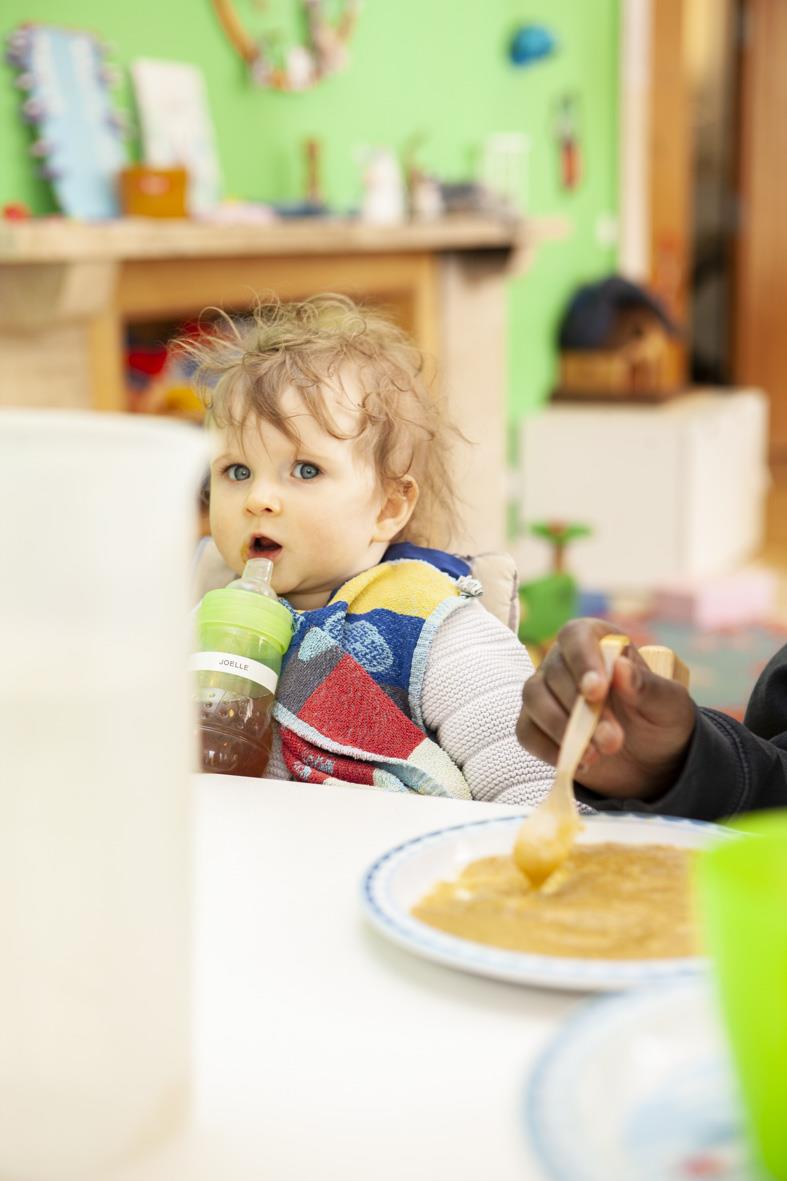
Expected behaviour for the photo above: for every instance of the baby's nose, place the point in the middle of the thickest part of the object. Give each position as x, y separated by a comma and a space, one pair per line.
262, 498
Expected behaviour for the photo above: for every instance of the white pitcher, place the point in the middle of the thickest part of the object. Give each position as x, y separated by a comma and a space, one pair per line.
97, 526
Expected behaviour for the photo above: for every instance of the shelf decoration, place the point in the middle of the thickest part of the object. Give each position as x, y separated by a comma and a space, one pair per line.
79, 143
301, 66
177, 128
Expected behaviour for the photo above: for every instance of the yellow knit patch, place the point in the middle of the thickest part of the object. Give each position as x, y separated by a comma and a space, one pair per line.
408, 588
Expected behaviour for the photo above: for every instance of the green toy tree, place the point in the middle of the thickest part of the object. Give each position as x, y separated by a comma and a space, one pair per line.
550, 601
559, 534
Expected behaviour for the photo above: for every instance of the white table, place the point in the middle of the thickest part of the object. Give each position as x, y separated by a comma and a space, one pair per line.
322, 1050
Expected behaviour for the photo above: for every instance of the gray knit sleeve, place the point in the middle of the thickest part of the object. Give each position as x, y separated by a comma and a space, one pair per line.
471, 700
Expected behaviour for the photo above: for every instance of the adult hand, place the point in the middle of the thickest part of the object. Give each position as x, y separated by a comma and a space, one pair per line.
646, 724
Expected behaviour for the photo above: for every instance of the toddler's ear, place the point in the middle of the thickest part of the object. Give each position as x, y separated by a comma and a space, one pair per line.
396, 509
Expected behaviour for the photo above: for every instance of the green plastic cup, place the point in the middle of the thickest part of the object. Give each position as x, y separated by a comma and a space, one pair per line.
743, 911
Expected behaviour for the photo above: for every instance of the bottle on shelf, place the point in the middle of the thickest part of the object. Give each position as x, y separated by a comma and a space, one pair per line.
243, 633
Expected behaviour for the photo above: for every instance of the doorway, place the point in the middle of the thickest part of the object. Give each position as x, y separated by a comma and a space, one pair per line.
712, 46
712, 200
760, 311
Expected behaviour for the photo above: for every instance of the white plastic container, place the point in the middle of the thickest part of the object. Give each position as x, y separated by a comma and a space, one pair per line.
97, 526
384, 200
504, 172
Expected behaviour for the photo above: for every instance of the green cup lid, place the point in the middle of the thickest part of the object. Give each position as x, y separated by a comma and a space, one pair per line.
241, 608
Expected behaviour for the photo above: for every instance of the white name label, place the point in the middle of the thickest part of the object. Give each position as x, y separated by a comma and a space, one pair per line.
236, 666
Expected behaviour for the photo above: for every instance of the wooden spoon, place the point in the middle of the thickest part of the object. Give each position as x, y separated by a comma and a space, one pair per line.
665, 663
545, 838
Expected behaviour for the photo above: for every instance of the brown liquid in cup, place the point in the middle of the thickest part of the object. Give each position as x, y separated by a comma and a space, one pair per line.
236, 734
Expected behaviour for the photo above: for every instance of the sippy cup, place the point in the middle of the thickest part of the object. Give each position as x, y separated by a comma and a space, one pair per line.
243, 633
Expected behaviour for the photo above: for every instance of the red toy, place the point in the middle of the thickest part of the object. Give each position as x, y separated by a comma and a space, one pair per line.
16, 211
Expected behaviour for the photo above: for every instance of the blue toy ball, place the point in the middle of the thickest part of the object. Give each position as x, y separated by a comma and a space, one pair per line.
531, 43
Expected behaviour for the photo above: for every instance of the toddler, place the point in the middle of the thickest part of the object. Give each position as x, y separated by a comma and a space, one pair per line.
331, 458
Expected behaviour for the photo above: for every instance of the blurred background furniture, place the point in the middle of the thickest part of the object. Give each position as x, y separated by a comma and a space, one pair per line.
670, 491
444, 281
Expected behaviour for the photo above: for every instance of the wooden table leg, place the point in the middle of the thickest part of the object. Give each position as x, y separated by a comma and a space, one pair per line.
46, 310
474, 377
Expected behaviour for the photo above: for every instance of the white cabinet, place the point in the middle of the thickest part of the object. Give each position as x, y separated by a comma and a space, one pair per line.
671, 491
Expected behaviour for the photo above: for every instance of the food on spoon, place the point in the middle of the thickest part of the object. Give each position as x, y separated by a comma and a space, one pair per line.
547, 835
544, 842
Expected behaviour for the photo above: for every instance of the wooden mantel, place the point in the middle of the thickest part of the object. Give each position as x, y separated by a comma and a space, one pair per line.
67, 289
57, 240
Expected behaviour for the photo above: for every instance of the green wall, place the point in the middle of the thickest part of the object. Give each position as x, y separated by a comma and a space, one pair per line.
436, 67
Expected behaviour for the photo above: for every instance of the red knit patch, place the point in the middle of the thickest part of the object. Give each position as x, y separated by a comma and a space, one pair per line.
351, 709
308, 762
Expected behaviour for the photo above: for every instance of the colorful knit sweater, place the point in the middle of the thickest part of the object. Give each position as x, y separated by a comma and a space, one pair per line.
349, 697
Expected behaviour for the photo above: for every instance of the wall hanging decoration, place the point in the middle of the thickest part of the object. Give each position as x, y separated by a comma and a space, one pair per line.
568, 141
66, 79
301, 66
530, 44
177, 129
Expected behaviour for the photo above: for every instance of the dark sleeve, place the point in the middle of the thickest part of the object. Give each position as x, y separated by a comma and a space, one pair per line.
730, 766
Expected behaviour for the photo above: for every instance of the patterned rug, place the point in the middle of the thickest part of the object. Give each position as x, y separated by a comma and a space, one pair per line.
723, 664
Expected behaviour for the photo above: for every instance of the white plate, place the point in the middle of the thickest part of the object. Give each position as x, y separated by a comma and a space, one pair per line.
398, 879
639, 1088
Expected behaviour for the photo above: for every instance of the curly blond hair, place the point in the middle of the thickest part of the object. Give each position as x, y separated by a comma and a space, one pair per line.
244, 367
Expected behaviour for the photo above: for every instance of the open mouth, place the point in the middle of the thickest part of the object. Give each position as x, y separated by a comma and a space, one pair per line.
263, 547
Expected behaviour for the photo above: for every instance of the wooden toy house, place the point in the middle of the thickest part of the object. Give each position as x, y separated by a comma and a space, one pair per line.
618, 343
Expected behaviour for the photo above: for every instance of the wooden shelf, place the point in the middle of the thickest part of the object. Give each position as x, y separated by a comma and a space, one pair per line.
67, 290
56, 239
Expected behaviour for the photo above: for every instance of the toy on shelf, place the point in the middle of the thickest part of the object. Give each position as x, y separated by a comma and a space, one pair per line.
617, 342
67, 81
550, 601
313, 203
313, 156
424, 192
233, 211
464, 197
503, 173
153, 192
16, 211
384, 199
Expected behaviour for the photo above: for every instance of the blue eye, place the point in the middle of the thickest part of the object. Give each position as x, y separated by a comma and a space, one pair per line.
237, 471
305, 471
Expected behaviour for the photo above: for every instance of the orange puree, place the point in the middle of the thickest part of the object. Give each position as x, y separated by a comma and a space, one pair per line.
607, 901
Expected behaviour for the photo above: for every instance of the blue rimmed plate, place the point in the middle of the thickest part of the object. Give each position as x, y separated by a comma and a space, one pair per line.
398, 879
639, 1086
